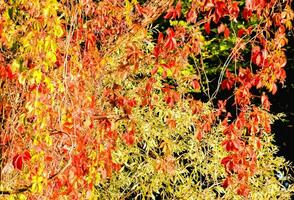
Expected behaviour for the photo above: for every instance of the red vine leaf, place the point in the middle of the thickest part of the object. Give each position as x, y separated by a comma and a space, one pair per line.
243, 190
19, 159
207, 27
129, 137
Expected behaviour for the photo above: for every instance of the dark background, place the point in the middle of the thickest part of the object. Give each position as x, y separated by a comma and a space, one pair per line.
283, 102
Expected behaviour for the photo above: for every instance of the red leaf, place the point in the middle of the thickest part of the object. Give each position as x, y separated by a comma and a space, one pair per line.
170, 100
160, 38
227, 32
170, 14
121, 101
171, 41
10, 75
258, 143
149, 84
265, 102
207, 27
173, 13
241, 32
91, 40
5, 72
141, 10
164, 74
229, 163
196, 106
154, 70
178, 9
129, 137
116, 167
233, 145
220, 10
191, 16
257, 55
196, 85
26, 155
48, 158
243, 190
18, 159
199, 135
227, 182
170, 64
222, 105
258, 59
227, 84
247, 14
274, 89
234, 10
157, 51
225, 29
257, 82
132, 103
226, 160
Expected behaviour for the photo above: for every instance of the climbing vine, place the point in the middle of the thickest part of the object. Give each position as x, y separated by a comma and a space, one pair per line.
127, 99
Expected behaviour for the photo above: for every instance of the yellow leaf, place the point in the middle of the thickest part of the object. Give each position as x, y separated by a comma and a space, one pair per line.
288, 24
50, 45
15, 66
60, 86
101, 148
51, 57
36, 140
49, 84
46, 11
58, 31
93, 155
22, 78
27, 40
128, 10
22, 197
37, 184
48, 140
29, 107
103, 62
37, 76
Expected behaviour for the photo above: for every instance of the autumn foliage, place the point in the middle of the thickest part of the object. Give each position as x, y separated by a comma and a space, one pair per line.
125, 99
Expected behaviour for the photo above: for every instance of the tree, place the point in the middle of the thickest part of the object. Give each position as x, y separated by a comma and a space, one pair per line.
99, 102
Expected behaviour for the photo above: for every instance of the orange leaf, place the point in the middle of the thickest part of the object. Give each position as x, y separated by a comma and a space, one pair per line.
196, 85
243, 190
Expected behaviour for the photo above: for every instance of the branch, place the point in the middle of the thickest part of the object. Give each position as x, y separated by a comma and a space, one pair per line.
116, 117
156, 9
26, 188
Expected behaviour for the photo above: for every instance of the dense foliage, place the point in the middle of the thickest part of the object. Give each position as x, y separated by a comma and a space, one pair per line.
124, 99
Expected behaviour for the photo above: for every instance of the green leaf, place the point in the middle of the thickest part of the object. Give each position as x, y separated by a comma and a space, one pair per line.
10, 12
